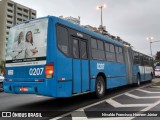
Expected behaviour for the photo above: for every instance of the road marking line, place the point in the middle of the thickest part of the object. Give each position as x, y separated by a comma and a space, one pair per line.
117, 104
148, 108
138, 97
80, 109
39, 96
151, 106
146, 91
81, 113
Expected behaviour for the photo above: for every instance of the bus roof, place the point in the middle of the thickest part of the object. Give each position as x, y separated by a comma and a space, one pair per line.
79, 28
141, 53
87, 31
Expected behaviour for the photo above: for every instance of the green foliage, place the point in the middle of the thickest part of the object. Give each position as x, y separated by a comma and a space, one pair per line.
157, 58
2, 66
158, 64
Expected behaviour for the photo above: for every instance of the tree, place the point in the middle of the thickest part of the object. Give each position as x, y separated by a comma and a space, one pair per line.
157, 58
2, 66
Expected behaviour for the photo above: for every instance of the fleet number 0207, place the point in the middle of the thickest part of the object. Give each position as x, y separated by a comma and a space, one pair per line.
36, 71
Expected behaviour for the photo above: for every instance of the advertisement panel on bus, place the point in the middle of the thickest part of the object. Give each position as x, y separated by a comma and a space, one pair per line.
26, 44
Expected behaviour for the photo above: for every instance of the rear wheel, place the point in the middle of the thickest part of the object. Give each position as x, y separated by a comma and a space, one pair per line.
151, 78
100, 87
138, 80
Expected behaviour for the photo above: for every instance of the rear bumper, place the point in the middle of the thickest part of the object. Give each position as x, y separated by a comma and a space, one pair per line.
48, 88
33, 87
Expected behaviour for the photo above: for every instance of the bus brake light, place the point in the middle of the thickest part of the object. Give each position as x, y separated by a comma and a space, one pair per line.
49, 70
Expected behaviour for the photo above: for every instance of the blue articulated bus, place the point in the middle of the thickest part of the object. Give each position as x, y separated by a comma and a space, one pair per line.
53, 57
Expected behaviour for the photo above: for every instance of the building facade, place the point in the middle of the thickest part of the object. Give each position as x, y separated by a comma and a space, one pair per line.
11, 13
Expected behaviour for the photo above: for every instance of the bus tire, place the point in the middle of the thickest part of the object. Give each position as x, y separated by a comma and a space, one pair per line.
138, 80
151, 78
100, 87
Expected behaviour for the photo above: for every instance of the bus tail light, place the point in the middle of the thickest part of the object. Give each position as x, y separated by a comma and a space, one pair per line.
49, 70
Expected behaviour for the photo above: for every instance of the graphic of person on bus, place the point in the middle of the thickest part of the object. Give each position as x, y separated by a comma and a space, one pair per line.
31, 50
18, 50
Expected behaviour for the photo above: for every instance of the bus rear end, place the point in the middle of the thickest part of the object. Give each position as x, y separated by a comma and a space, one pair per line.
28, 70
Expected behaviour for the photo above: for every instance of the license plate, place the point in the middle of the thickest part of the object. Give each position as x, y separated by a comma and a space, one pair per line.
23, 89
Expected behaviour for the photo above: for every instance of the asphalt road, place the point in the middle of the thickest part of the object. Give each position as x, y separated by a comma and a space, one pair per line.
56, 107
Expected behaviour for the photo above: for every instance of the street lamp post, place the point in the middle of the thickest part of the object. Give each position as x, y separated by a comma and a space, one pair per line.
101, 7
150, 41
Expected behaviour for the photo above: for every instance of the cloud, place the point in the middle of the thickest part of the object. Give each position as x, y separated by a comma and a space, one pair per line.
132, 20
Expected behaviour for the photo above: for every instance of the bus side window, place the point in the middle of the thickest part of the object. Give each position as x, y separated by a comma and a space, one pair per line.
119, 54
97, 49
84, 53
151, 62
75, 48
100, 45
141, 59
145, 60
107, 47
94, 43
62, 39
111, 53
136, 58
100, 50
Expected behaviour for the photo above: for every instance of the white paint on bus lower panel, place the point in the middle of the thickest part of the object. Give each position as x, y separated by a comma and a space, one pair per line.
145, 69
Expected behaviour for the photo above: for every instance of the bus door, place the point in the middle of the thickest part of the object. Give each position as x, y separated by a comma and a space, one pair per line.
80, 65
142, 68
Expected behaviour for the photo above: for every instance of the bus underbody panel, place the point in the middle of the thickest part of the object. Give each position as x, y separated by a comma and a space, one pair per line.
62, 89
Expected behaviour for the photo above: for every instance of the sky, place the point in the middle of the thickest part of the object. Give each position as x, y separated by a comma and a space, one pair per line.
132, 20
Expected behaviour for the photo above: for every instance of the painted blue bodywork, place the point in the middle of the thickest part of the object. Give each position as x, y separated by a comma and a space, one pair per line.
144, 76
71, 76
